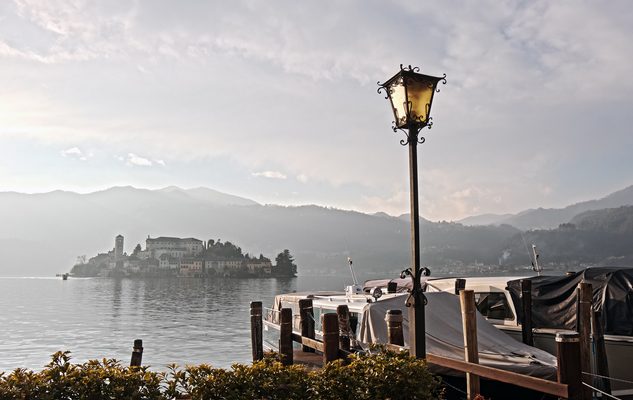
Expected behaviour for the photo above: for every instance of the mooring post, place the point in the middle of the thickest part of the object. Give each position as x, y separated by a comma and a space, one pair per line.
306, 313
137, 354
471, 350
526, 307
345, 330
585, 296
329, 322
602, 364
460, 284
285, 336
568, 357
395, 334
257, 339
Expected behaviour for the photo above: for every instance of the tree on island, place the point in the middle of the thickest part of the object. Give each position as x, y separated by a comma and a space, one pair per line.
285, 266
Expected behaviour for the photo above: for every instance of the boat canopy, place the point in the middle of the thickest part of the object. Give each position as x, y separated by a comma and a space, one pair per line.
444, 336
554, 299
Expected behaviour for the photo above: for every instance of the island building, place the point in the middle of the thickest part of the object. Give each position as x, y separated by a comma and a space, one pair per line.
118, 247
172, 256
175, 247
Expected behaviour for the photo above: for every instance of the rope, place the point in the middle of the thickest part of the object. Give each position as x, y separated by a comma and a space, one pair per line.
600, 391
608, 377
455, 388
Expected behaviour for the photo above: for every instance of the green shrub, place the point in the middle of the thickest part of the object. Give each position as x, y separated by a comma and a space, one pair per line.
385, 375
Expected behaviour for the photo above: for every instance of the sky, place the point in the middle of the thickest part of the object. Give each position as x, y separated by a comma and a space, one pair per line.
276, 100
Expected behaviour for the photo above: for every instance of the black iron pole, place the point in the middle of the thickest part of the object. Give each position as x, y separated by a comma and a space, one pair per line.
417, 328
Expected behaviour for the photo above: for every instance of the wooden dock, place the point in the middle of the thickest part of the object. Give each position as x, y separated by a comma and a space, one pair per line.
315, 353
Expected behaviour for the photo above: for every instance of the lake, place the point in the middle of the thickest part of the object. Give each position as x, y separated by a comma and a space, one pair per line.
182, 321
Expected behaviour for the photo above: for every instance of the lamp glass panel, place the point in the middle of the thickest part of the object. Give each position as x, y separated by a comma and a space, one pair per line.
398, 97
420, 90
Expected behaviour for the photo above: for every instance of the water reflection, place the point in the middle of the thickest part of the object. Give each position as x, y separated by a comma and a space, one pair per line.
180, 320
183, 321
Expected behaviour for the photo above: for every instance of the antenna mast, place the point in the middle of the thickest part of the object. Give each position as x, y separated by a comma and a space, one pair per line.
351, 270
355, 288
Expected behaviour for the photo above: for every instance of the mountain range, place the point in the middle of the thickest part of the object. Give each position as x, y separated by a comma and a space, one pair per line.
42, 234
549, 218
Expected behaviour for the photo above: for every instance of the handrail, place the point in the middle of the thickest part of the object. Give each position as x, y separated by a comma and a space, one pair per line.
528, 382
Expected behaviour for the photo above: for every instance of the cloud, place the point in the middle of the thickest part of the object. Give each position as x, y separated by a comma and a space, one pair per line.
133, 159
75, 152
393, 203
527, 91
270, 175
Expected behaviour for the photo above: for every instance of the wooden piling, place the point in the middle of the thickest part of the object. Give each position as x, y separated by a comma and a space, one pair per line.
568, 357
285, 336
329, 322
460, 284
306, 313
471, 350
395, 334
526, 306
137, 354
585, 296
257, 338
345, 330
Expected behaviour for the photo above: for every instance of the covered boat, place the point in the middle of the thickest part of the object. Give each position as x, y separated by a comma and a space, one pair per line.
444, 335
555, 299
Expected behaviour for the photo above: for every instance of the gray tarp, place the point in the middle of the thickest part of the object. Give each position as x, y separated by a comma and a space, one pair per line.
444, 336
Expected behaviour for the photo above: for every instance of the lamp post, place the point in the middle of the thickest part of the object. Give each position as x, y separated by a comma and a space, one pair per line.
411, 95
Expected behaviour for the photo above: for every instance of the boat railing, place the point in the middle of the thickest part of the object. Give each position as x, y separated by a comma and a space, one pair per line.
272, 315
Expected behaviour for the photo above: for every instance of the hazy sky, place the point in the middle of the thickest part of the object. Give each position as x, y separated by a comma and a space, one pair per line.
276, 100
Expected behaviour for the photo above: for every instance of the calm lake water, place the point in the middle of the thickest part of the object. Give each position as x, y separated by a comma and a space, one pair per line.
182, 321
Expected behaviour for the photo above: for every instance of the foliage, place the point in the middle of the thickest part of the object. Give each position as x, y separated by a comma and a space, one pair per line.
226, 251
285, 265
105, 379
385, 375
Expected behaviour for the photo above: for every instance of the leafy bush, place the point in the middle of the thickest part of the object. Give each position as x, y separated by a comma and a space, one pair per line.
385, 375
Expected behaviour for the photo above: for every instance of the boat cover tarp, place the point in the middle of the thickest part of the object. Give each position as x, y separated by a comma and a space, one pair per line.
444, 336
554, 299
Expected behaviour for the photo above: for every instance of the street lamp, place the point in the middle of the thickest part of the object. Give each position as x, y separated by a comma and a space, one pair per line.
411, 96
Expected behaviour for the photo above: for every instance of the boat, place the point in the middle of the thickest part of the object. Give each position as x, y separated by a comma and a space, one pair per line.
444, 335
554, 300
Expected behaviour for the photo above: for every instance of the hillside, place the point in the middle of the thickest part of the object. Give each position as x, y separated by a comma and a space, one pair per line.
601, 237
43, 234
616, 220
550, 218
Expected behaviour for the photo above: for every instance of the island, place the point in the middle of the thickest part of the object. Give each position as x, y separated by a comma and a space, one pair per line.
166, 256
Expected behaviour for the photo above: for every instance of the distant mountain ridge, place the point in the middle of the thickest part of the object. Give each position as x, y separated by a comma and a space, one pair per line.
549, 218
42, 234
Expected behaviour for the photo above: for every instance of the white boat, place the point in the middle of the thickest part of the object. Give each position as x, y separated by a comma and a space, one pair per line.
444, 335
554, 310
